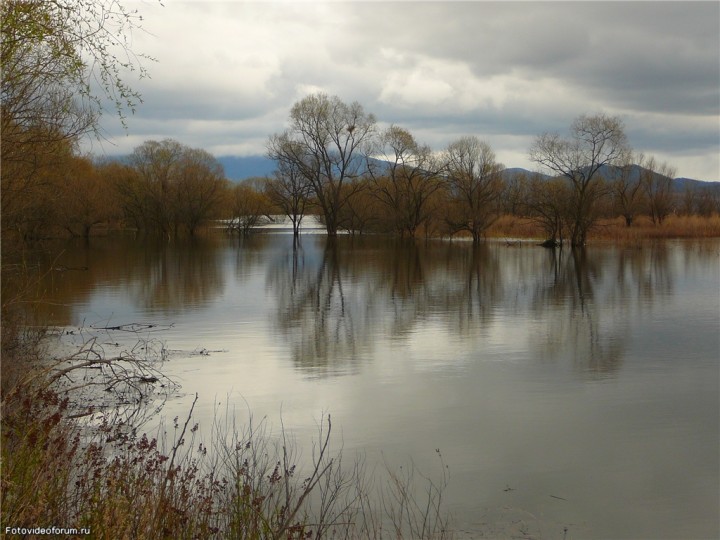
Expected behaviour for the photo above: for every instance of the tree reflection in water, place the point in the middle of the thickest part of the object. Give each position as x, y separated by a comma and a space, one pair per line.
334, 300
154, 274
337, 298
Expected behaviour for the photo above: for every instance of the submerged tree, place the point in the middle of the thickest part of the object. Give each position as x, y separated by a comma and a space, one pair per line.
546, 202
157, 163
656, 179
248, 205
325, 144
171, 188
474, 186
83, 197
627, 189
199, 187
290, 192
405, 176
593, 143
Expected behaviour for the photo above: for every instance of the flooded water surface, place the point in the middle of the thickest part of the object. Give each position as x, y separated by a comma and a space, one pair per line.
571, 394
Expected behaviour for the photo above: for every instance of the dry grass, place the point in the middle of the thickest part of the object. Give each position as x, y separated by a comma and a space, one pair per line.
615, 230
644, 229
95, 471
515, 227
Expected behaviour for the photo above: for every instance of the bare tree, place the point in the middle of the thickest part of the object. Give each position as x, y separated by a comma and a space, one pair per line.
514, 190
172, 188
199, 187
708, 203
656, 179
474, 186
157, 163
627, 190
126, 182
325, 143
545, 202
689, 199
248, 206
29, 181
362, 211
290, 191
83, 197
593, 143
405, 179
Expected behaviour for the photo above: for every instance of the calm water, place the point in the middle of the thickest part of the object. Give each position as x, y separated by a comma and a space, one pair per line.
564, 391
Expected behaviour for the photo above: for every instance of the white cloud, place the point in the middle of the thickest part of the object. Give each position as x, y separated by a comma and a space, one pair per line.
229, 72
427, 83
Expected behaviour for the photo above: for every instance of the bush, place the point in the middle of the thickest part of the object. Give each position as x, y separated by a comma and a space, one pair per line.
68, 463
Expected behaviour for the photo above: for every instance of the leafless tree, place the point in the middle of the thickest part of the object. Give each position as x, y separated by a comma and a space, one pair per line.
474, 186
249, 205
173, 187
157, 163
405, 175
198, 190
290, 192
83, 198
545, 201
593, 143
325, 143
627, 190
514, 190
656, 179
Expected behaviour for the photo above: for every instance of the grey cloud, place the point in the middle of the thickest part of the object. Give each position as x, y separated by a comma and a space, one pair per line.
639, 54
503, 71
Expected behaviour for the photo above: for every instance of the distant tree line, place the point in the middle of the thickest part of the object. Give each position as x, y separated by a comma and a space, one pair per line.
334, 161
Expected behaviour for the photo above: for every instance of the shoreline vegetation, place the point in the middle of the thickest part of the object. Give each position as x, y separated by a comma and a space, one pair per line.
68, 457
615, 230
72, 456
505, 226
515, 229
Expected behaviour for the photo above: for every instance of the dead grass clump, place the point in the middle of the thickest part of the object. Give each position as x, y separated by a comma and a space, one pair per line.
90, 468
692, 226
615, 229
643, 228
508, 226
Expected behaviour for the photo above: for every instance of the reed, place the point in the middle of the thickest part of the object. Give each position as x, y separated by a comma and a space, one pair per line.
92, 469
615, 230
508, 226
674, 226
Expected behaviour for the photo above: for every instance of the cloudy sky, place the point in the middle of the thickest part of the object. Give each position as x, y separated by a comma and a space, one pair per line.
227, 73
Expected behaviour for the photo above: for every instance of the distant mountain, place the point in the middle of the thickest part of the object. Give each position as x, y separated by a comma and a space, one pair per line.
511, 172
239, 168
679, 185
